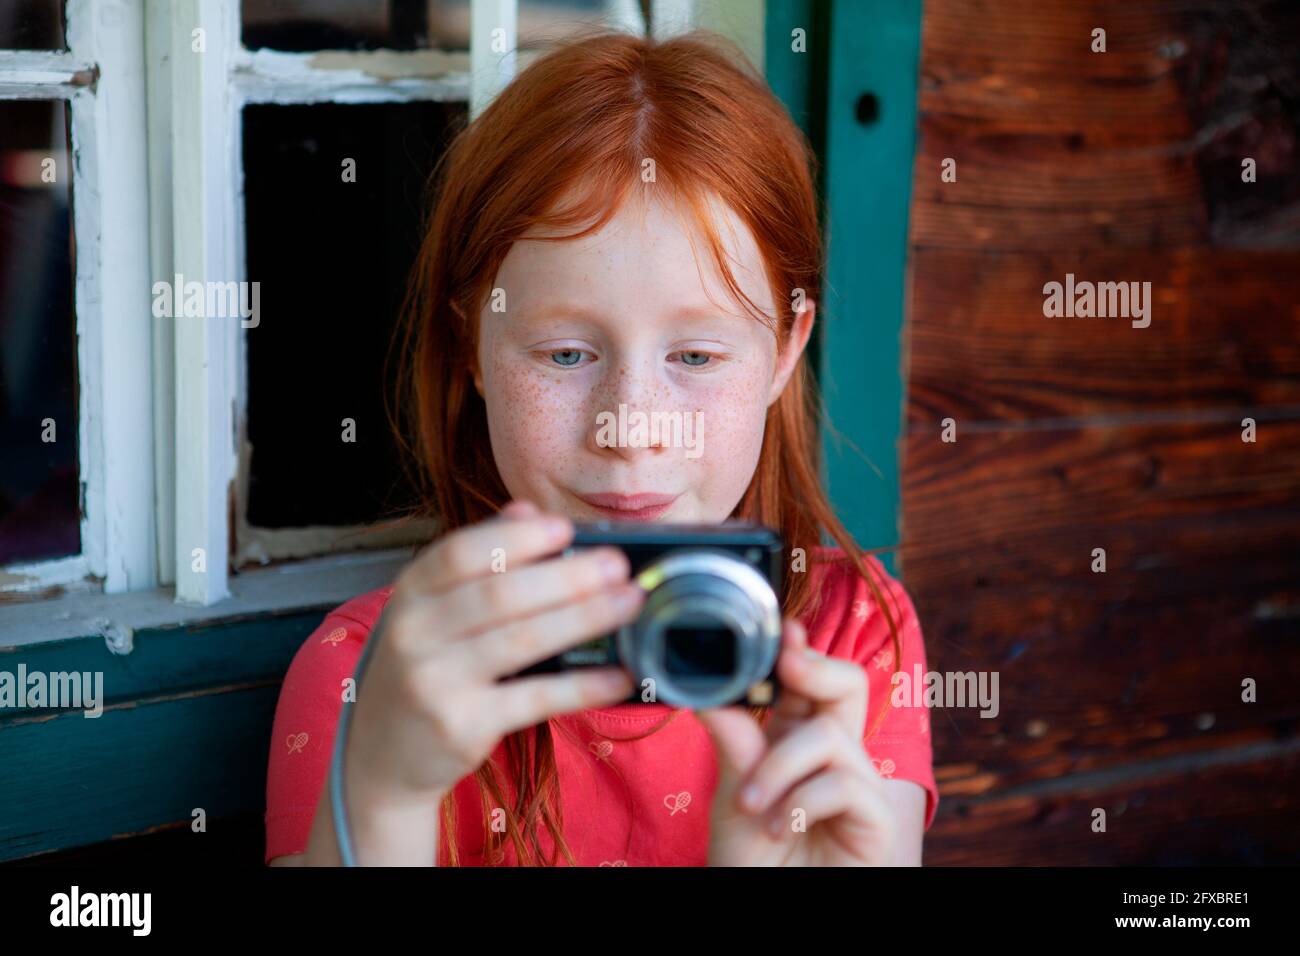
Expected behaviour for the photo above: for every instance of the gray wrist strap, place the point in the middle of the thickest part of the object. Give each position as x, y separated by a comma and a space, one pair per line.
341, 831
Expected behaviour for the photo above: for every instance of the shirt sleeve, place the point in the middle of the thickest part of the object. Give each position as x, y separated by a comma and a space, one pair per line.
898, 733
302, 738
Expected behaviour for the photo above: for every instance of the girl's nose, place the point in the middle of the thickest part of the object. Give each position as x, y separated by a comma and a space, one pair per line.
627, 411
626, 433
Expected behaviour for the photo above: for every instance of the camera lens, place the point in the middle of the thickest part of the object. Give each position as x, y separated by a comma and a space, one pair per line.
699, 652
709, 630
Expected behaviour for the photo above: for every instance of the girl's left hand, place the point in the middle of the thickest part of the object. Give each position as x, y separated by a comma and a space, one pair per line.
819, 800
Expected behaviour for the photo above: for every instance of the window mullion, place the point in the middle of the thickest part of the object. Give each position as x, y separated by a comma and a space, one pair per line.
110, 210
203, 250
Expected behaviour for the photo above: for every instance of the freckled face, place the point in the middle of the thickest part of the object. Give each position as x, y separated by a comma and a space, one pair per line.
623, 317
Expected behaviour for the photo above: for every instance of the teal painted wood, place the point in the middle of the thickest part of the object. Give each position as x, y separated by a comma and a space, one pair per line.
874, 50
797, 78
171, 660
72, 781
186, 724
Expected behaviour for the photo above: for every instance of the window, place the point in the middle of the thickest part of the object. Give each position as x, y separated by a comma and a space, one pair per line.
39, 490
154, 436
76, 485
32, 25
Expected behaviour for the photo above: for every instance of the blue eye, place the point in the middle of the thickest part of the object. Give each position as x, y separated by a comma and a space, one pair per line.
703, 356
576, 355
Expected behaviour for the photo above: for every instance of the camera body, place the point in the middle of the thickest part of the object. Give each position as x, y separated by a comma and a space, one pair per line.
709, 631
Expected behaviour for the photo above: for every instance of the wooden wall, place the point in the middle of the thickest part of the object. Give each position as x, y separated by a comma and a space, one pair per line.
1120, 690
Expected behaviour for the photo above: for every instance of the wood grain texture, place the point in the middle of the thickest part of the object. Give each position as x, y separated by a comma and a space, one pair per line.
1119, 689
1239, 813
1224, 336
1059, 147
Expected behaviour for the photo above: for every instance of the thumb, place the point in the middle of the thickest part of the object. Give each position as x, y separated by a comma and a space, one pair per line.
739, 742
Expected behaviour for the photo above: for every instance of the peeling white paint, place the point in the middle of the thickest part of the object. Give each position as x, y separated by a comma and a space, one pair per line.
35, 74
118, 637
271, 76
110, 203
66, 574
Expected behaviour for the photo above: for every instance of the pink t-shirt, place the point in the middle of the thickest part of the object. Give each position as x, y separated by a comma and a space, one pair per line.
642, 802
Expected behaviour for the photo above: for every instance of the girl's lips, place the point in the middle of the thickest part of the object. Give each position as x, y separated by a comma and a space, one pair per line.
640, 507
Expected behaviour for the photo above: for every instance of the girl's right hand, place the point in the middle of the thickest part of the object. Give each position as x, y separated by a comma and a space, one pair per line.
429, 709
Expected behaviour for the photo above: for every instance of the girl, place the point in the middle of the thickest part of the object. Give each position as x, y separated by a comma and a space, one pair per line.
563, 275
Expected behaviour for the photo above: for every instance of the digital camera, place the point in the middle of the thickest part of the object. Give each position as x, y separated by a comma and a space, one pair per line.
709, 631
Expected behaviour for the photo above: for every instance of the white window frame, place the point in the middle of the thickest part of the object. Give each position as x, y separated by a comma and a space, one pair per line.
99, 76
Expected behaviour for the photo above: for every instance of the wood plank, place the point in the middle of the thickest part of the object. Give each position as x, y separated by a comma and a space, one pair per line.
186, 723
236, 841
1041, 192
1058, 146
71, 781
171, 660
1024, 66
1236, 813
992, 493
1224, 336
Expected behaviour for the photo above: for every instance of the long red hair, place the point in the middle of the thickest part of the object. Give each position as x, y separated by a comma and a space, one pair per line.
563, 147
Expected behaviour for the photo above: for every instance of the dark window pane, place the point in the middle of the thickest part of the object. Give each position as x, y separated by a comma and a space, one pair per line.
31, 25
333, 259
401, 24
39, 490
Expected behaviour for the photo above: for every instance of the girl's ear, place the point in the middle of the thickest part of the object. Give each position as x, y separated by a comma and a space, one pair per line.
788, 358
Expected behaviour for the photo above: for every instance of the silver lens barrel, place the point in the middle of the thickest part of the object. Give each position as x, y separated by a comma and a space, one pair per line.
708, 589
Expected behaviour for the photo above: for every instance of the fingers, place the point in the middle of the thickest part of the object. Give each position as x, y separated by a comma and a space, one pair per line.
819, 678
471, 552
739, 744
815, 744
828, 795
526, 701
519, 643
496, 598
812, 682
790, 707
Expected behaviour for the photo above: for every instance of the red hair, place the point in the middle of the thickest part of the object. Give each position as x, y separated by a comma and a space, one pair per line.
563, 147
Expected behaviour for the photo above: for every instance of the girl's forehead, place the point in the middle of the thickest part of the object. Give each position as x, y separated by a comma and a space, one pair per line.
653, 248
